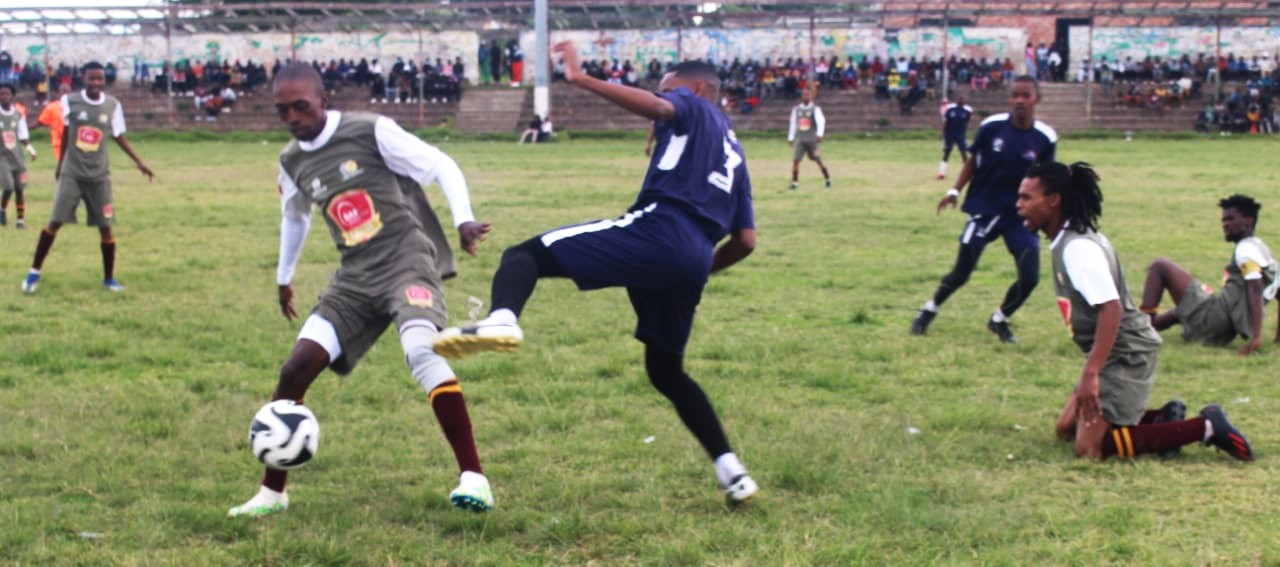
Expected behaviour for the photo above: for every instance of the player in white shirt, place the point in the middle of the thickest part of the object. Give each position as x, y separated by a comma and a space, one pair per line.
808, 126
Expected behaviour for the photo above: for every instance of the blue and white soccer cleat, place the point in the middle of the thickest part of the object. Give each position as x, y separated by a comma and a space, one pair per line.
485, 335
472, 493
110, 284
29, 284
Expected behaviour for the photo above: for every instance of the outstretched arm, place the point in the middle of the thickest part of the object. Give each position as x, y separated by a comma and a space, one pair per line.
631, 99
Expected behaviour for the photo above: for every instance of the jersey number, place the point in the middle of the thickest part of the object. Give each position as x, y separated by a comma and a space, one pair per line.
724, 181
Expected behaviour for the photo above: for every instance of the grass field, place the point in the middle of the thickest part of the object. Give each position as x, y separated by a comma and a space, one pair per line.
123, 418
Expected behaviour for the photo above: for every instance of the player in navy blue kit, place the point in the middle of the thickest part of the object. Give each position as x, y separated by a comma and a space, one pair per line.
955, 122
695, 193
1003, 150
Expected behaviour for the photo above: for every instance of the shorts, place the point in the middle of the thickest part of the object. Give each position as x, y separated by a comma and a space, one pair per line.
1124, 386
956, 142
809, 148
12, 179
983, 229
96, 194
1205, 317
361, 310
660, 255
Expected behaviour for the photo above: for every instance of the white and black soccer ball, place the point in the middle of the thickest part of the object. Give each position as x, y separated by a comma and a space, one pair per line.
284, 435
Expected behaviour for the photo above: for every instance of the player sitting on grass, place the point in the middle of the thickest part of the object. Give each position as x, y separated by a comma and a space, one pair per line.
1249, 281
1106, 414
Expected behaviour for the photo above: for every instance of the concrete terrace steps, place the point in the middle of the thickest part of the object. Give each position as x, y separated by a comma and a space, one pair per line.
492, 111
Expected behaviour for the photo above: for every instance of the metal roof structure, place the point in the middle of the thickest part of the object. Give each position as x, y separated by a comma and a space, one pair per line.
232, 16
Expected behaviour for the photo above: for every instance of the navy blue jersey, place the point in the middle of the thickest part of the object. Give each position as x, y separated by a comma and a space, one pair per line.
956, 120
1004, 154
699, 167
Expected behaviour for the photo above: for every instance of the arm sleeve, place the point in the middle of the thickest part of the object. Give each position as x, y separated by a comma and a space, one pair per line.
117, 122
23, 133
1250, 259
406, 155
66, 109
791, 134
821, 120
295, 222
1089, 271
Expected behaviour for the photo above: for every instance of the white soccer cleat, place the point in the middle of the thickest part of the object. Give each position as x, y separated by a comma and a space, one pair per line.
485, 335
264, 503
740, 490
472, 493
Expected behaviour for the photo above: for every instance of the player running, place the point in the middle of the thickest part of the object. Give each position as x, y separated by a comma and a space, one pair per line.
1004, 148
808, 126
83, 173
1249, 282
955, 124
696, 192
1106, 415
365, 175
13, 165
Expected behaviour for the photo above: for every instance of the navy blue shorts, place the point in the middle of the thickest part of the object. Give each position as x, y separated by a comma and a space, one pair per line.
982, 229
954, 141
657, 252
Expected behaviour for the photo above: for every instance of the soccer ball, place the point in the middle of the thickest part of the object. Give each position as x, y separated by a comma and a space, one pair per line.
284, 435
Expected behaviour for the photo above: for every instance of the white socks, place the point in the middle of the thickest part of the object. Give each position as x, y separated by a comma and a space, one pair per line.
930, 306
728, 467
501, 317
998, 316
942, 168
1208, 430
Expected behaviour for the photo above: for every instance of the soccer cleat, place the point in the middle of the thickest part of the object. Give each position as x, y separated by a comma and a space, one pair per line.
265, 503
110, 284
941, 176
795, 185
29, 284
920, 324
458, 342
21, 224
4, 217
1002, 330
472, 493
1173, 410
740, 490
1225, 435
828, 183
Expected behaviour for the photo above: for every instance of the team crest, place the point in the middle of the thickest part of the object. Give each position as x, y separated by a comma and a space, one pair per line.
83, 115
1030, 155
418, 296
997, 145
317, 187
349, 169
102, 119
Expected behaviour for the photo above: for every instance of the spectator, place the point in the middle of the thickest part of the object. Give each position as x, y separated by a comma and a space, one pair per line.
546, 131
532, 132
229, 97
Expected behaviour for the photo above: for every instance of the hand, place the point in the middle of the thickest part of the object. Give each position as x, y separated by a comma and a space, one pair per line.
472, 233
1249, 347
947, 201
1087, 401
151, 176
31, 151
568, 52
648, 152
286, 302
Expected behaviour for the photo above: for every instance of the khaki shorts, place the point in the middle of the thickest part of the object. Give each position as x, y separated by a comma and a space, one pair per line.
360, 312
96, 194
1124, 385
806, 148
1205, 317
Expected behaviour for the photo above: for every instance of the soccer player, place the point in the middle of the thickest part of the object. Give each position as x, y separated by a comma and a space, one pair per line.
1003, 149
1249, 281
1106, 414
808, 125
51, 118
365, 175
83, 173
695, 193
955, 123
13, 166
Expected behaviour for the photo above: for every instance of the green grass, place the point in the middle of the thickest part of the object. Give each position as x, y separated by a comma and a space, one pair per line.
125, 416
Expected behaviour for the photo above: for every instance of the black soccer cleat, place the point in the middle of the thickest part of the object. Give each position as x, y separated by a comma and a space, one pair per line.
920, 324
1173, 410
1225, 435
1002, 330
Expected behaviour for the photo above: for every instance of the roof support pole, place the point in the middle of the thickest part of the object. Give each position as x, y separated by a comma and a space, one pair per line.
1088, 78
946, 37
541, 61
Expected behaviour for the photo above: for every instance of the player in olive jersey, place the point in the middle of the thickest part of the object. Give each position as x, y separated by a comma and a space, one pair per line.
13, 165
83, 173
1106, 415
808, 126
1249, 282
365, 174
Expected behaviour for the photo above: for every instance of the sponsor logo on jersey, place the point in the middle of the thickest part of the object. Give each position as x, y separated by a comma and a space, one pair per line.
10, 139
1029, 155
88, 138
349, 169
804, 123
418, 296
997, 145
355, 216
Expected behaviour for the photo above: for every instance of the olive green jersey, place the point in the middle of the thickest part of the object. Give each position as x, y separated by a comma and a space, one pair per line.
89, 125
1136, 334
13, 131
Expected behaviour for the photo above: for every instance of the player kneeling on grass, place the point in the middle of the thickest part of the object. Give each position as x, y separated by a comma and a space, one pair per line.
1107, 414
365, 174
696, 192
